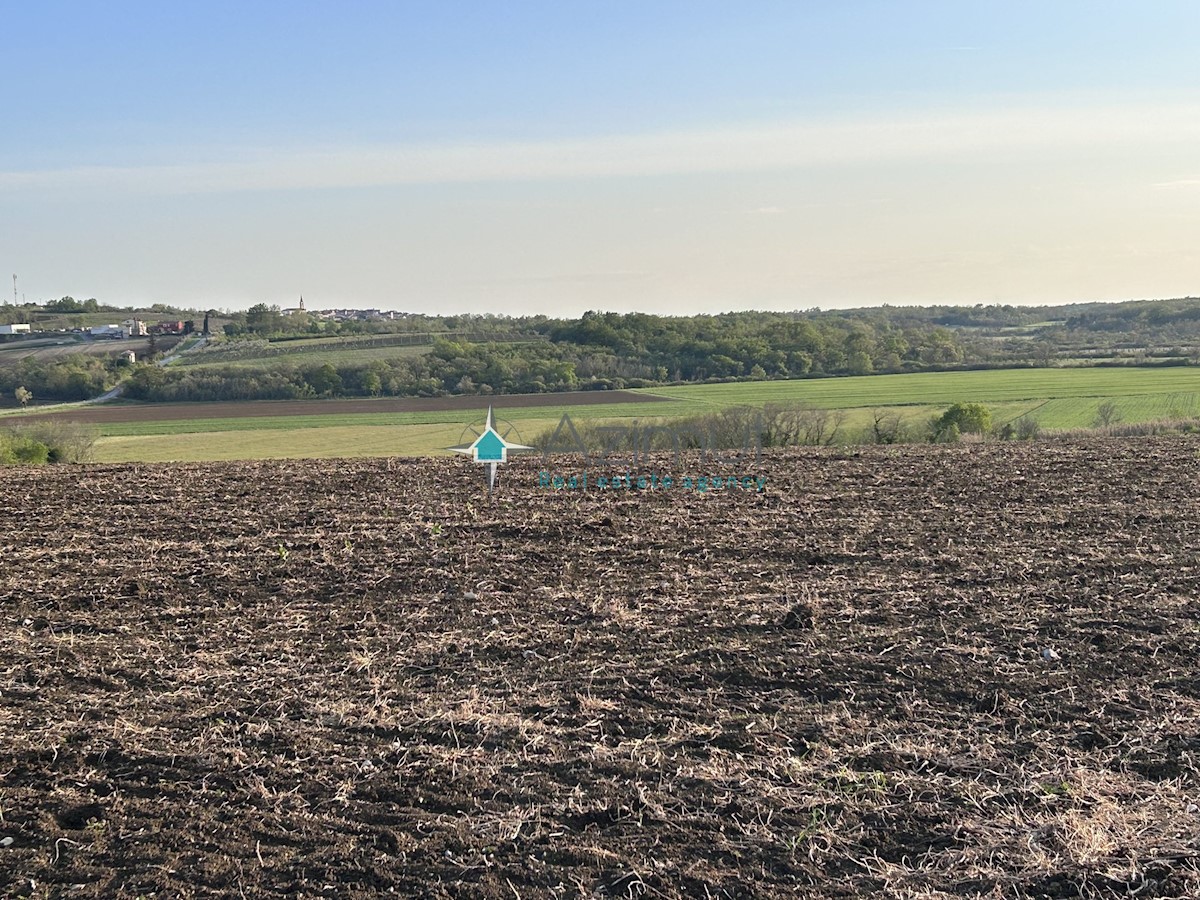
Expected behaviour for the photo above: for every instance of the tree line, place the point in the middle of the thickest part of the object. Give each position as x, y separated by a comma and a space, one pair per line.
78, 376
598, 351
601, 350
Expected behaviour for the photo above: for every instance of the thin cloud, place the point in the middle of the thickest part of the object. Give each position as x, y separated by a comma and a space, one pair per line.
1185, 183
931, 138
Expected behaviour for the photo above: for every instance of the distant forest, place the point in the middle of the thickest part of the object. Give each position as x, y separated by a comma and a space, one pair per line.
599, 351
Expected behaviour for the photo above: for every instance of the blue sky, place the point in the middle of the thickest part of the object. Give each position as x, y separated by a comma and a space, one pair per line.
529, 157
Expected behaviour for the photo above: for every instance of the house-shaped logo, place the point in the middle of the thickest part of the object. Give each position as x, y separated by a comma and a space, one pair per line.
491, 448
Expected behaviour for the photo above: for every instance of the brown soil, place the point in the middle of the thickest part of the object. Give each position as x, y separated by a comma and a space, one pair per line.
349, 678
154, 412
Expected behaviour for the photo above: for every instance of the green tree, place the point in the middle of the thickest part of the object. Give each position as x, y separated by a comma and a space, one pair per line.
859, 363
263, 319
324, 379
941, 348
22, 449
948, 435
859, 347
965, 418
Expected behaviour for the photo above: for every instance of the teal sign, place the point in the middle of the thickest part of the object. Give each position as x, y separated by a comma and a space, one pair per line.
490, 448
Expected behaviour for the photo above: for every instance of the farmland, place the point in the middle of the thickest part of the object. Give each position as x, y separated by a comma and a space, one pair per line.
1058, 398
1026, 387
894, 672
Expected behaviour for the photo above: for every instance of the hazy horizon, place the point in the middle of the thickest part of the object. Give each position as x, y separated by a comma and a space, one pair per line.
665, 157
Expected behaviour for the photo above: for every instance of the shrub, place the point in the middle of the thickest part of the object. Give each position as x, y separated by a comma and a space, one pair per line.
887, 428
967, 418
948, 435
47, 442
20, 449
1107, 415
1028, 428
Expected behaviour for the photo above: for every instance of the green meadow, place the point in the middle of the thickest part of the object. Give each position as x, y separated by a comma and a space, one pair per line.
1057, 398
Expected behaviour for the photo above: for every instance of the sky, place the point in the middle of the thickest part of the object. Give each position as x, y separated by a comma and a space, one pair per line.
555, 156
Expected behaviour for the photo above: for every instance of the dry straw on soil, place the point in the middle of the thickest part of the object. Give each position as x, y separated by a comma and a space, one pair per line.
345, 678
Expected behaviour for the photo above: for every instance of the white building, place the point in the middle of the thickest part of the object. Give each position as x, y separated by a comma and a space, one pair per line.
14, 329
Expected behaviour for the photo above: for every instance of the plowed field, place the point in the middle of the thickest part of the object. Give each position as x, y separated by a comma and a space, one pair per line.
958, 671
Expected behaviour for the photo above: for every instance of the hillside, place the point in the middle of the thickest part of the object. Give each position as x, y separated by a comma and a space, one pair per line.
265, 354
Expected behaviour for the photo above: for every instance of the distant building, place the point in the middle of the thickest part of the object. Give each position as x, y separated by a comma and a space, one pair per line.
347, 315
295, 310
168, 328
14, 329
133, 328
129, 356
108, 331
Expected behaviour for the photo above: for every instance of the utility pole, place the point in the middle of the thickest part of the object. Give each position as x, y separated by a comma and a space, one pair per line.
14, 289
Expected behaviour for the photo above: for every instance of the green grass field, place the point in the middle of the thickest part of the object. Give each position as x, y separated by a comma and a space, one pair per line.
287, 443
1057, 398
991, 386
